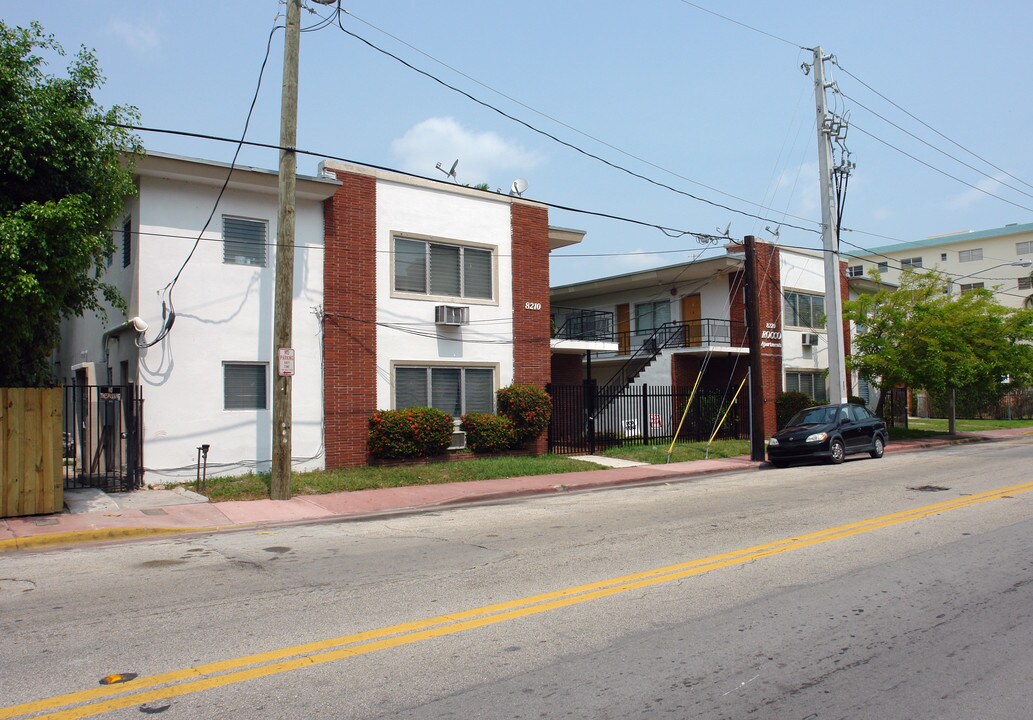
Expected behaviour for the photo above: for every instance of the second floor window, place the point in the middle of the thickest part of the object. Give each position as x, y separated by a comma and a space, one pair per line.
244, 241
969, 287
913, 263
804, 310
970, 255
1024, 248
649, 316
432, 268
855, 271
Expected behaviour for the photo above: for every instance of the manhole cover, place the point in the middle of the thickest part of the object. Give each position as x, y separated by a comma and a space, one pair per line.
929, 488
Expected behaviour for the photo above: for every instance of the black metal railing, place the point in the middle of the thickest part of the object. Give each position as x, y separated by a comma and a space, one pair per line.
578, 324
708, 332
588, 418
103, 442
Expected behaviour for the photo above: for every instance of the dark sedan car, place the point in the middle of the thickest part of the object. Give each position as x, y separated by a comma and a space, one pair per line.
829, 432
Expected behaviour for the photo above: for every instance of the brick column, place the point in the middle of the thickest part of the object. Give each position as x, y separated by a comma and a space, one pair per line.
844, 295
349, 329
531, 328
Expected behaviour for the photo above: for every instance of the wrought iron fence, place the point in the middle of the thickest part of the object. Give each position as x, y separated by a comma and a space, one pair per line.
103, 442
588, 418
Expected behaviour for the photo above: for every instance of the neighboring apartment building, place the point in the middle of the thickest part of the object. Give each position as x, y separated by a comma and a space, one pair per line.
998, 260
694, 316
407, 291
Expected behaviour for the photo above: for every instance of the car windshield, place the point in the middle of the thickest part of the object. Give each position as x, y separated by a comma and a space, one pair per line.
814, 416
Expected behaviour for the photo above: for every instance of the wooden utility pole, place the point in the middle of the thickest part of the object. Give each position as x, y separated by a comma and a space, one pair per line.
756, 376
280, 480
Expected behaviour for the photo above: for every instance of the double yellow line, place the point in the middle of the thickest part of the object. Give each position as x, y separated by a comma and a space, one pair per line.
176, 683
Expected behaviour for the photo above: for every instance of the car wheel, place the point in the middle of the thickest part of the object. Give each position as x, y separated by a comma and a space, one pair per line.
838, 452
878, 448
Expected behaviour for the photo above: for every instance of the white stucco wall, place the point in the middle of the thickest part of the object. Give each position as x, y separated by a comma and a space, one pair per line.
806, 274
406, 332
224, 313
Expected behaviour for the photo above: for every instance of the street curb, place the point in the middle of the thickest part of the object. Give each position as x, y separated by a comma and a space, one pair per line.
82, 537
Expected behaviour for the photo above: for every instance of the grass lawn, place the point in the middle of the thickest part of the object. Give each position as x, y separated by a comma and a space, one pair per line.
319, 482
683, 451
929, 427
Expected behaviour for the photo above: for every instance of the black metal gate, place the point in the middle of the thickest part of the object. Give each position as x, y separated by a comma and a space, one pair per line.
103, 442
587, 418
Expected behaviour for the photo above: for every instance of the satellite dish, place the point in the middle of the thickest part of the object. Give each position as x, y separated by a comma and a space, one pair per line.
519, 187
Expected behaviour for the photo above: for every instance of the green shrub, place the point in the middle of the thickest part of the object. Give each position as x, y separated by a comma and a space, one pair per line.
856, 400
529, 407
788, 404
409, 433
488, 433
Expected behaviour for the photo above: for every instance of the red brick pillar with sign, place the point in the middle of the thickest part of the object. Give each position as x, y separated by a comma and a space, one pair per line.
349, 322
531, 312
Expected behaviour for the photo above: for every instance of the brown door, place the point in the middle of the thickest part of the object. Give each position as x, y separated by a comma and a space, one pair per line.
690, 317
623, 329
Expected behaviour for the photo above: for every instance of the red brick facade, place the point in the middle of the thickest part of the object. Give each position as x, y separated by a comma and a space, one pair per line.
567, 369
349, 327
532, 363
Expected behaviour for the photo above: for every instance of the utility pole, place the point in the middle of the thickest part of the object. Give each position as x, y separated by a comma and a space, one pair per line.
280, 479
756, 377
829, 237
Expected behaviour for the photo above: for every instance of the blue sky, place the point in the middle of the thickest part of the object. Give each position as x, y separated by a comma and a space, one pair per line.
662, 88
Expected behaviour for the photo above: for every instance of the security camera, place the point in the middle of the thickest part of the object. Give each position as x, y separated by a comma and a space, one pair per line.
138, 324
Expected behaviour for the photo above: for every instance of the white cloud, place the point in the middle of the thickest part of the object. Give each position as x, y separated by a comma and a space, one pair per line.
970, 196
139, 37
483, 156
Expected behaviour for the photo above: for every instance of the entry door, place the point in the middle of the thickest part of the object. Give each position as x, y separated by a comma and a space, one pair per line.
623, 329
690, 317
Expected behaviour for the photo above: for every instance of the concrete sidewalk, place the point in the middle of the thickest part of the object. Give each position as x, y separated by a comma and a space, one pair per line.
95, 516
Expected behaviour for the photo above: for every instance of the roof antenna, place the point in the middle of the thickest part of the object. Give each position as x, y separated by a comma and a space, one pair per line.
774, 232
724, 233
451, 172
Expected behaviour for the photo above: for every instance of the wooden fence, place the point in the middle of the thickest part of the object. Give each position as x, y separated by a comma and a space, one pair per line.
31, 462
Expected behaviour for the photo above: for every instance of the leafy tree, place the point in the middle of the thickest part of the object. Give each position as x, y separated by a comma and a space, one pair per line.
921, 336
63, 181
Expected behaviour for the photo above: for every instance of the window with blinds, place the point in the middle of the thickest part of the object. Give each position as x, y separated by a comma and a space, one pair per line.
454, 390
804, 310
244, 386
809, 383
244, 241
442, 269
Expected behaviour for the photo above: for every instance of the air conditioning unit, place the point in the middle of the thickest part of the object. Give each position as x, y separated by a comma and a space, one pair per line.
451, 315
810, 339
458, 440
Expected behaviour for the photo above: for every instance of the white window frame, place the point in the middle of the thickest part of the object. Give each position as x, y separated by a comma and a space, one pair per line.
883, 266
260, 247
813, 299
913, 262
463, 247
813, 378
855, 271
968, 287
239, 406
1024, 248
429, 367
973, 255
648, 310
1025, 283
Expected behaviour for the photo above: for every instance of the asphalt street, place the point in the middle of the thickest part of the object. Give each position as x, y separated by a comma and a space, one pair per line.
901, 587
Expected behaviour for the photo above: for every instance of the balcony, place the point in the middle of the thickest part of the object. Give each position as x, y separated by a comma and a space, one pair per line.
577, 330
705, 334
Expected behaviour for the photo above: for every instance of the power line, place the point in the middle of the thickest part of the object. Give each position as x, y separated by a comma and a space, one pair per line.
748, 27
568, 126
927, 125
669, 231
928, 144
556, 139
933, 167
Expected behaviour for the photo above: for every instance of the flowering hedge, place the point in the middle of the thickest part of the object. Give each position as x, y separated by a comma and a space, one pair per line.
488, 433
409, 433
529, 407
